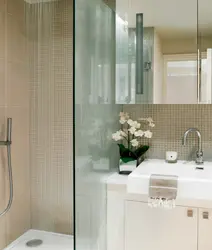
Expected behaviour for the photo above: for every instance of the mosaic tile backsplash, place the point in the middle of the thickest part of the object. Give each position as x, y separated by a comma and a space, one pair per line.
171, 123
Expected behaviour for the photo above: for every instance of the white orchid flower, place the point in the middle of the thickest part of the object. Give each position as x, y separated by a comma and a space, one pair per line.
142, 119
124, 115
148, 134
134, 142
117, 136
122, 133
132, 130
149, 119
134, 123
122, 120
139, 133
127, 116
130, 122
137, 125
151, 124
121, 114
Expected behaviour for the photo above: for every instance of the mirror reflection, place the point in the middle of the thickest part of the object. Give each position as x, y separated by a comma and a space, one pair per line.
156, 52
205, 49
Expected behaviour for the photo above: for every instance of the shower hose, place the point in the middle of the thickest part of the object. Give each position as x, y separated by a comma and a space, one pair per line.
8, 143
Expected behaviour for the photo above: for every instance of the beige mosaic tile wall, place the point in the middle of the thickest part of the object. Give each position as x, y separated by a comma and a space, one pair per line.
171, 123
14, 102
50, 42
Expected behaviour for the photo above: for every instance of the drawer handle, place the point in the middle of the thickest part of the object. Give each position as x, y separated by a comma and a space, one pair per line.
190, 213
205, 215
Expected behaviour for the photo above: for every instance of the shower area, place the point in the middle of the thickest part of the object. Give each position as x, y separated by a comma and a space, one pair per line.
36, 123
59, 133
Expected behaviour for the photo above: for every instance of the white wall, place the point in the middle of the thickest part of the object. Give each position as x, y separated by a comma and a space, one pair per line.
184, 46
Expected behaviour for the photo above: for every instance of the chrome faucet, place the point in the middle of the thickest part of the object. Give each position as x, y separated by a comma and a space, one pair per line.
199, 153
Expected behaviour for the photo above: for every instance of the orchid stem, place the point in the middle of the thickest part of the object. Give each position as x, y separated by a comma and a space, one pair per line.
128, 138
125, 138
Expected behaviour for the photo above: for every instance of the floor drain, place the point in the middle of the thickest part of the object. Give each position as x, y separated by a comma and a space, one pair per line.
34, 243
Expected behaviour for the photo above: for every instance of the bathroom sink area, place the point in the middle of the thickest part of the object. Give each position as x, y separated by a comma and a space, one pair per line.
189, 220
192, 183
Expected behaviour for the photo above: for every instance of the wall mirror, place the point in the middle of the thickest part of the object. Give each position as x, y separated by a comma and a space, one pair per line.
157, 55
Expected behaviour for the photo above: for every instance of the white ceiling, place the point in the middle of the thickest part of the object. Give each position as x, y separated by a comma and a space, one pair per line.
171, 18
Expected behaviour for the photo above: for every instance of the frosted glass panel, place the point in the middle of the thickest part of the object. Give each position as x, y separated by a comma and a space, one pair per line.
94, 43
122, 62
95, 119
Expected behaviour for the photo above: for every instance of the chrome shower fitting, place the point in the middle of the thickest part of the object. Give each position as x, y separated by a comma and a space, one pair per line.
8, 143
147, 66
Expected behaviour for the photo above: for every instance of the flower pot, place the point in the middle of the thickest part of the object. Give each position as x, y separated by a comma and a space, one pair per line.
128, 167
140, 160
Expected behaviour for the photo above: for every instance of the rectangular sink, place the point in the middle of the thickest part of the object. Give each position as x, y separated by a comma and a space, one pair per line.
192, 183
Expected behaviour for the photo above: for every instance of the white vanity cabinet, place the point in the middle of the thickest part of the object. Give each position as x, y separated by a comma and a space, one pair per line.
205, 229
158, 229
133, 225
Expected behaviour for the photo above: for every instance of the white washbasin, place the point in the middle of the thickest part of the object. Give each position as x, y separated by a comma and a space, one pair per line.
192, 183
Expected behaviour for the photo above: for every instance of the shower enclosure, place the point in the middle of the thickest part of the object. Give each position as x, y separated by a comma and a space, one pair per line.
96, 116
36, 92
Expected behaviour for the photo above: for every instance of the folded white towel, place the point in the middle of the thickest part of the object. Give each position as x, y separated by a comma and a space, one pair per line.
161, 203
162, 191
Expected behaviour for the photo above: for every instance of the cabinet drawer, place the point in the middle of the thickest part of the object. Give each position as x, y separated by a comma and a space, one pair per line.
151, 229
205, 229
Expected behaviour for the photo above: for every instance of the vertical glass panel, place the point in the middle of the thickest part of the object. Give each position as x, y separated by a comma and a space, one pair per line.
139, 53
148, 43
96, 118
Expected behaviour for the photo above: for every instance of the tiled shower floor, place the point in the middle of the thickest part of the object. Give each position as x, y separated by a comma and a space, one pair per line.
50, 241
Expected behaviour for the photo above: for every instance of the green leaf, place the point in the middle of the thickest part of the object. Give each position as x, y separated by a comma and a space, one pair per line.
140, 151
123, 150
127, 159
126, 153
